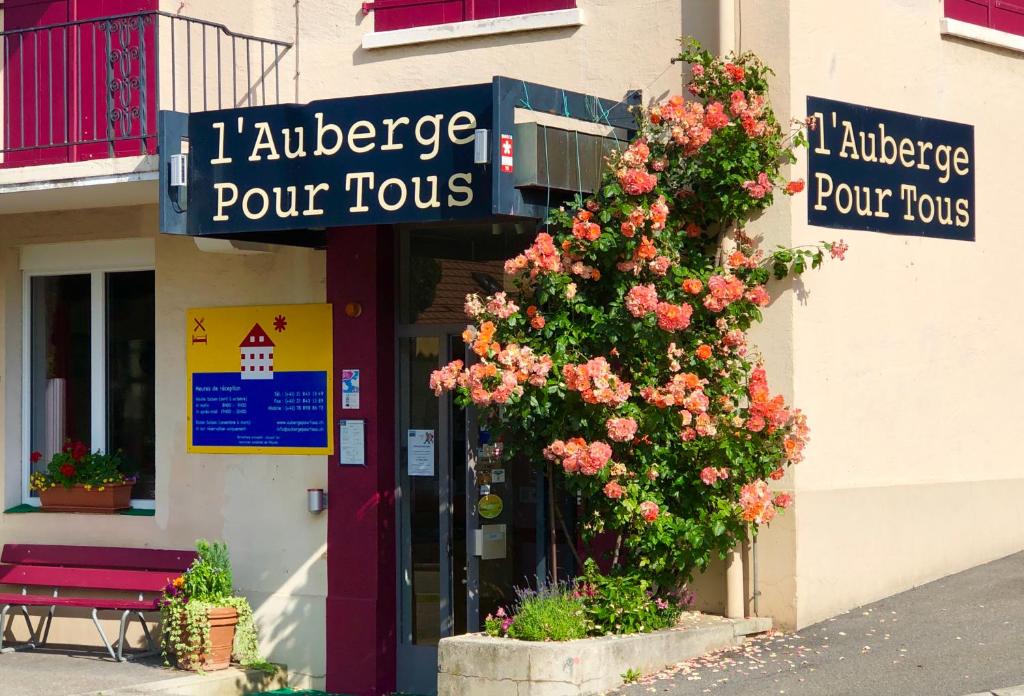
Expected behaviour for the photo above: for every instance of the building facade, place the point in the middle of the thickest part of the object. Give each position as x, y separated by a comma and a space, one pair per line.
910, 474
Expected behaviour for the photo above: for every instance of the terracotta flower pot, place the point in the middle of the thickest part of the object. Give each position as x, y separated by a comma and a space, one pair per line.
223, 621
77, 499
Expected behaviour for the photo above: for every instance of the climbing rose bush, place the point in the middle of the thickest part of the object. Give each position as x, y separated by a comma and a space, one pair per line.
619, 357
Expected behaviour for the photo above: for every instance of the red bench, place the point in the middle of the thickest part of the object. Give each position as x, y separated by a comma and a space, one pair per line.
113, 571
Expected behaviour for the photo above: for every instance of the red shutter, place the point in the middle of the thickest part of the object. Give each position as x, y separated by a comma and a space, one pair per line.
973, 11
505, 8
95, 89
1008, 15
403, 14
35, 83
55, 80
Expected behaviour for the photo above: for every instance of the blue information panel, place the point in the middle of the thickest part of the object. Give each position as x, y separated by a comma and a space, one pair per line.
259, 380
886, 171
288, 411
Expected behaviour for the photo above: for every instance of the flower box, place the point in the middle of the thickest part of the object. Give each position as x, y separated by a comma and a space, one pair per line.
78, 498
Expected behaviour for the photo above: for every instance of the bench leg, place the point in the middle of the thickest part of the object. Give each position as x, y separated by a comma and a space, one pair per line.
46, 633
103, 636
151, 647
120, 640
3, 621
153, 650
33, 632
39, 636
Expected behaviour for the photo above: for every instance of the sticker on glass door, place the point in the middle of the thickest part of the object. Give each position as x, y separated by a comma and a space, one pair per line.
421, 452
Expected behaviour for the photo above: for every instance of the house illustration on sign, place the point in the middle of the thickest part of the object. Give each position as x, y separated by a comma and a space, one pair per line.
257, 354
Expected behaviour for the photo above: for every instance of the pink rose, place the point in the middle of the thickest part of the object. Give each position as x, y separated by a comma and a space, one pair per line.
613, 490
649, 510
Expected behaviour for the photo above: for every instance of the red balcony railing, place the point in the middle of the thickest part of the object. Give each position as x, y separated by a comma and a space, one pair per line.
91, 89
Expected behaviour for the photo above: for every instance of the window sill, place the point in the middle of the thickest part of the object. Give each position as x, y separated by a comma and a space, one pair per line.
478, 27
25, 508
985, 35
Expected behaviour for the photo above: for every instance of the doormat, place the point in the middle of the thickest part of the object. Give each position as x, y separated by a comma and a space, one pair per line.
292, 692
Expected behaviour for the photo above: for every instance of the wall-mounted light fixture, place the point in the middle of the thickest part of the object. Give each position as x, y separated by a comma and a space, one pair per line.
481, 151
316, 500
179, 170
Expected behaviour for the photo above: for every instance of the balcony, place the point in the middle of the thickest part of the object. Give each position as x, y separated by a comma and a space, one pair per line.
80, 101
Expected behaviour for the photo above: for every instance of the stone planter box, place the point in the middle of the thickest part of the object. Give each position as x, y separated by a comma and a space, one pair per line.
478, 665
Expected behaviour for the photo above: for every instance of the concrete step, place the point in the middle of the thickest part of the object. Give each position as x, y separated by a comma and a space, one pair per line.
227, 682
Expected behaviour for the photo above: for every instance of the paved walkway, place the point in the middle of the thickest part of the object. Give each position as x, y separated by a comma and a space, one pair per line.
962, 634
53, 673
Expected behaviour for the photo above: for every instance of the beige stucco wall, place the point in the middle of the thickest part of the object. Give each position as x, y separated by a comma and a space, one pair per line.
255, 503
905, 356
615, 49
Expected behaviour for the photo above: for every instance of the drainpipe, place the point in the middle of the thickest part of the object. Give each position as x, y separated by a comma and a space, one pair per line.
734, 600
755, 592
726, 26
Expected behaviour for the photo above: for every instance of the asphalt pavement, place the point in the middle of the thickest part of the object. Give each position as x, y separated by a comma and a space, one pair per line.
59, 672
963, 634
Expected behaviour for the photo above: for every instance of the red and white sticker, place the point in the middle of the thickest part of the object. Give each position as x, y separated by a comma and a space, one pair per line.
507, 154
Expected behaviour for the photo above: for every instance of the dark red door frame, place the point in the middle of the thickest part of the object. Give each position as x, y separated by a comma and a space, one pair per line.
361, 535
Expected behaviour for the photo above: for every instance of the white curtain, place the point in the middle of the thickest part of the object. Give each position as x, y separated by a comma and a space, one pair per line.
56, 427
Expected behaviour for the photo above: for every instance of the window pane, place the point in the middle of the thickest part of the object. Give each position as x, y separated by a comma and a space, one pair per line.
130, 374
60, 381
423, 516
440, 267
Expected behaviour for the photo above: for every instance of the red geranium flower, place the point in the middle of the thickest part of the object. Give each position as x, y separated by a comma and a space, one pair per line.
36, 456
78, 450
67, 471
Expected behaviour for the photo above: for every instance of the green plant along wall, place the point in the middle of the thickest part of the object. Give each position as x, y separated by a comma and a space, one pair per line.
621, 358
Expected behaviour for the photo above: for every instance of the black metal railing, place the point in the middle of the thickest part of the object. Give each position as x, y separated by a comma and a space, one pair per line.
91, 89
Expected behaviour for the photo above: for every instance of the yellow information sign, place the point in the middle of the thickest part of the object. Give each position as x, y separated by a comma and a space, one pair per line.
490, 506
260, 379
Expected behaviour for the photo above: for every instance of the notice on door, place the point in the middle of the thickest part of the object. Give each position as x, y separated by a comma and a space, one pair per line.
260, 380
421, 452
352, 442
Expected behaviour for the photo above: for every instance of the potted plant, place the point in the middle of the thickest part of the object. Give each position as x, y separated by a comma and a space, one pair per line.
79, 480
204, 624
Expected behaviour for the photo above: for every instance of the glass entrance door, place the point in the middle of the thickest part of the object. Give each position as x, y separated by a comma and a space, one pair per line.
469, 525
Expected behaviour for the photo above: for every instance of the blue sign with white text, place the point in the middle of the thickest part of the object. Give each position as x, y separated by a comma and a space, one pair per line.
289, 410
886, 171
381, 159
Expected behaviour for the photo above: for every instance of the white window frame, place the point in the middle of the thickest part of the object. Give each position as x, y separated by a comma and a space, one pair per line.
505, 24
77, 258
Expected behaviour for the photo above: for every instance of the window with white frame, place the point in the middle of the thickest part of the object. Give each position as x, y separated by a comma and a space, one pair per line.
89, 344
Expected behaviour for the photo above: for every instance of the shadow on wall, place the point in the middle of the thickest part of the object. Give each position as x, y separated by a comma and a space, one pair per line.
362, 56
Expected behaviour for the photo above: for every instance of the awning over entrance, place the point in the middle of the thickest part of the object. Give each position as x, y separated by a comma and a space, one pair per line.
504, 149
